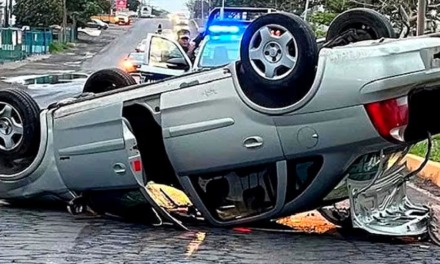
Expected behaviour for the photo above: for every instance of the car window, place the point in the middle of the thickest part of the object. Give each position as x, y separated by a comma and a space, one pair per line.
162, 50
138, 57
219, 53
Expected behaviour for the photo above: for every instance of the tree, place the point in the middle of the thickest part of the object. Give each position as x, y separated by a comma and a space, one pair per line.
38, 12
81, 10
133, 5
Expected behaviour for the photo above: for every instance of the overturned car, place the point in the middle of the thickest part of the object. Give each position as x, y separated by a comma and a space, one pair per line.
289, 128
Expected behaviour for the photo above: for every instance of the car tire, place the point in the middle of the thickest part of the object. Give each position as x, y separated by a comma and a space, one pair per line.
288, 84
19, 124
371, 23
108, 80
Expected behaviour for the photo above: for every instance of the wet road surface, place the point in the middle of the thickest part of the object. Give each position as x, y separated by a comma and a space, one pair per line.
110, 56
53, 236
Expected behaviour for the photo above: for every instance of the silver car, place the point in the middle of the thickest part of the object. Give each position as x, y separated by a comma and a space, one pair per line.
286, 129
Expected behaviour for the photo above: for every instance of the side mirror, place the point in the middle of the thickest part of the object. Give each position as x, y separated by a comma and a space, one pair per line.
177, 64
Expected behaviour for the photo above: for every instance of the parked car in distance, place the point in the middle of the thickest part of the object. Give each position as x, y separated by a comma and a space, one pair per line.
147, 12
96, 23
122, 19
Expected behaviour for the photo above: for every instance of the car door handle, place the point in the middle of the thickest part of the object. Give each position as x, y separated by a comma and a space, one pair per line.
119, 168
253, 142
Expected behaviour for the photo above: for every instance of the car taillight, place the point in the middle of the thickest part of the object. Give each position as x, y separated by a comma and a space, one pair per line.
390, 118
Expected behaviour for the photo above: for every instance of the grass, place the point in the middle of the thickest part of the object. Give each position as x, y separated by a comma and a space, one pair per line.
58, 47
420, 149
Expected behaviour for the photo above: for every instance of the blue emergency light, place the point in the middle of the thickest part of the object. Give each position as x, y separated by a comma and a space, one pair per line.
224, 29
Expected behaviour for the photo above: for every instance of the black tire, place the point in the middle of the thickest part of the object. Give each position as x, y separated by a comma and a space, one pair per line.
294, 86
29, 113
108, 80
376, 25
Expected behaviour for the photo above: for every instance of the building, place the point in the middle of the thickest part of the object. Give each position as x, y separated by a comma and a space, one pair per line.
6, 9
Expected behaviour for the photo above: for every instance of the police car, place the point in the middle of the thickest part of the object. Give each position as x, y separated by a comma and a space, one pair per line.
219, 46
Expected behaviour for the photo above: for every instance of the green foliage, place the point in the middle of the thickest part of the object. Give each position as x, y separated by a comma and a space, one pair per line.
58, 47
50, 12
159, 12
420, 149
133, 5
322, 18
38, 12
82, 10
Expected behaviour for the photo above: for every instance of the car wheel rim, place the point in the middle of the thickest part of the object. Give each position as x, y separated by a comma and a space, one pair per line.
11, 127
273, 52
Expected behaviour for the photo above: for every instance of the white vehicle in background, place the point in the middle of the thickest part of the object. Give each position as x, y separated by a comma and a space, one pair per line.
122, 19
97, 23
147, 12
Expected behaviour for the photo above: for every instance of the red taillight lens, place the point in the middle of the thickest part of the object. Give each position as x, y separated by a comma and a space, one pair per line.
137, 165
390, 117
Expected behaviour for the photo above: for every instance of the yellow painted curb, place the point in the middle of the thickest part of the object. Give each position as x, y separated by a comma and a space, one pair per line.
431, 170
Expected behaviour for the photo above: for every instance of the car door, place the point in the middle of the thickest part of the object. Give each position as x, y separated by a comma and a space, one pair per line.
224, 153
163, 58
207, 127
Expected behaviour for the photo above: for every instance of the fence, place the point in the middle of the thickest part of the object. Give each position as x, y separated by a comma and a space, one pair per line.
68, 35
11, 45
37, 41
16, 44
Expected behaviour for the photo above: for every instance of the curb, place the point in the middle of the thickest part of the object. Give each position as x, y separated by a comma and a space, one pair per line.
431, 170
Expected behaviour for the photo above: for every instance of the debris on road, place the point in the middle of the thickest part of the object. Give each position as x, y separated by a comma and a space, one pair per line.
194, 245
309, 222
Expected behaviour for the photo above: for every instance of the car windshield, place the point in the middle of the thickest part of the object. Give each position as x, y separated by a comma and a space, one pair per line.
138, 57
219, 52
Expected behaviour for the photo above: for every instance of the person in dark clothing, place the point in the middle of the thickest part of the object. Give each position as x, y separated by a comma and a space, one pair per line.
183, 37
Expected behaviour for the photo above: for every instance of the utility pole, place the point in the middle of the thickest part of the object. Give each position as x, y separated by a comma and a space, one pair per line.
421, 15
6, 14
222, 11
307, 8
63, 28
203, 15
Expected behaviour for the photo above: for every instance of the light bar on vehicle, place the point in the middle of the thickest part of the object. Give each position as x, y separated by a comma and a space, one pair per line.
224, 29
227, 37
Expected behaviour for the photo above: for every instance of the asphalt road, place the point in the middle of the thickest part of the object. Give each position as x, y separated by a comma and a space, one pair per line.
42, 235
90, 55
112, 55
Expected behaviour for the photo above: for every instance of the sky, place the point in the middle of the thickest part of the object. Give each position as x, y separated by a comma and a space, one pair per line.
170, 5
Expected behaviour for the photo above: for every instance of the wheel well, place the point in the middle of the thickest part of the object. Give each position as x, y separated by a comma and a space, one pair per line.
148, 133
